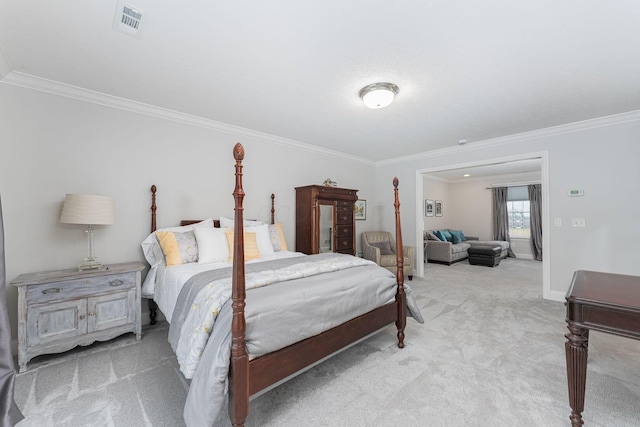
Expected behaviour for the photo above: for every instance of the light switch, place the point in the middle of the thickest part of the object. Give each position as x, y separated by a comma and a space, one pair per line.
578, 222
557, 222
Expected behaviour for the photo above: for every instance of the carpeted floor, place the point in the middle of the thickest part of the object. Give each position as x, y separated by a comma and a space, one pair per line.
491, 353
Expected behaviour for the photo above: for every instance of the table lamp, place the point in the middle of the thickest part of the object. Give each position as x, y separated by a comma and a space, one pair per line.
88, 210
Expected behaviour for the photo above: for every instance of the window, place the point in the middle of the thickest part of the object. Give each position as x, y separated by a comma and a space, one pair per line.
519, 213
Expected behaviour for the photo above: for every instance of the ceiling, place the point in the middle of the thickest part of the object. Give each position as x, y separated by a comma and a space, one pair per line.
528, 169
291, 69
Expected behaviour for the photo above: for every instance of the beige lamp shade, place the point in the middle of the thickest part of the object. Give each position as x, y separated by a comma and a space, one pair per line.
88, 209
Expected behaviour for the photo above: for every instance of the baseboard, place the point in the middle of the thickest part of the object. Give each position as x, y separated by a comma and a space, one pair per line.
433, 261
557, 296
524, 256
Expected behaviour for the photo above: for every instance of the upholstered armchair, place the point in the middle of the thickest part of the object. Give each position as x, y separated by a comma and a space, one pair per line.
380, 247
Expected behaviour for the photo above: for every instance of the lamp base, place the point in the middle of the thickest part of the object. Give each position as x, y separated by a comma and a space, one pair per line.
91, 265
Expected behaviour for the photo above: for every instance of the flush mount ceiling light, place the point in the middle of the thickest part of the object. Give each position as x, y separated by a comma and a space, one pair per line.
378, 95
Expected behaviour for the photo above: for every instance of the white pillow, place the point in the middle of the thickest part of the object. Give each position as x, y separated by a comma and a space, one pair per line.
212, 245
151, 248
263, 239
228, 222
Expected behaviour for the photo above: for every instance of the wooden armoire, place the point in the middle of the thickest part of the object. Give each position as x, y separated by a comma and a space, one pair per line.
325, 220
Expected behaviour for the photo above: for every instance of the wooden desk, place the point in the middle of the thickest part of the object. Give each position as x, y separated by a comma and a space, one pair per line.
602, 302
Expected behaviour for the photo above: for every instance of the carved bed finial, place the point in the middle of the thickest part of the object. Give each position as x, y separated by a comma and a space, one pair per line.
238, 152
395, 182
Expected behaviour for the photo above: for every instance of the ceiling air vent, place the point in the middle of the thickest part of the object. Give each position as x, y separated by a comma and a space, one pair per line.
129, 19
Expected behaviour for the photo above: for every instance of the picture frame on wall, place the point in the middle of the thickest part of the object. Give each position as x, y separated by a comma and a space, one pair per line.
428, 207
438, 207
360, 210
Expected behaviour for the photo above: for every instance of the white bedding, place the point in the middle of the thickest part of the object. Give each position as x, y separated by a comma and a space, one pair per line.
169, 281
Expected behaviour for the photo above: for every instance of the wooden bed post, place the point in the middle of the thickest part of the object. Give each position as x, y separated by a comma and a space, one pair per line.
273, 209
153, 307
153, 208
401, 298
239, 371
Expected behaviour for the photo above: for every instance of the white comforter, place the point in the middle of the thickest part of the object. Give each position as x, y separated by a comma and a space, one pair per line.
163, 284
204, 308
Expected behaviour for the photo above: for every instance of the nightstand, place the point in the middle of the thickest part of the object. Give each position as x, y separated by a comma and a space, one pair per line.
61, 309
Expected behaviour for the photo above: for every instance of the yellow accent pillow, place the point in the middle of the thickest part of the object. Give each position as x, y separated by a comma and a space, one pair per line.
250, 246
178, 248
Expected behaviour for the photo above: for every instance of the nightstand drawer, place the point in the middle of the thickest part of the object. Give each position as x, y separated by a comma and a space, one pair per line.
60, 291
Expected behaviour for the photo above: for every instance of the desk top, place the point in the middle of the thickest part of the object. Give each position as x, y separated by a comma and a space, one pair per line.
605, 288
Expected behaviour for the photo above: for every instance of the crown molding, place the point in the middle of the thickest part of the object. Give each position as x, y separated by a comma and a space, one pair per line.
615, 119
69, 91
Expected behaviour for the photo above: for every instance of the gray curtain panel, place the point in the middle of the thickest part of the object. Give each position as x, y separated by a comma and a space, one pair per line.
9, 412
501, 217
535, 203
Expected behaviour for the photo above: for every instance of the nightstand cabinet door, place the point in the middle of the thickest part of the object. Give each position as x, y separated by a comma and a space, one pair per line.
49, 323
111, 310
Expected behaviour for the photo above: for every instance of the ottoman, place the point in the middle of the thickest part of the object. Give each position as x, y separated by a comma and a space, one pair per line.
484, 255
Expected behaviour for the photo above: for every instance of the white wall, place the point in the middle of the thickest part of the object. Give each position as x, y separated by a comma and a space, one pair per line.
52, 145
600, 157
472, 209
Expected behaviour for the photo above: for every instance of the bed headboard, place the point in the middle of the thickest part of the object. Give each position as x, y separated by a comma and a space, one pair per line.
216, 222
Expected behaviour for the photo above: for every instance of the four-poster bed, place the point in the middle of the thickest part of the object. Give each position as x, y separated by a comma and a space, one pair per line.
252, 372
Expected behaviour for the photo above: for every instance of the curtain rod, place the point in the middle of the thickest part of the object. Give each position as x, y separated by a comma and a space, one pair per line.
513, 184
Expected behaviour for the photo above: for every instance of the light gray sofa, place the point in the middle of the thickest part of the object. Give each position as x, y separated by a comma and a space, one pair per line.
441, 252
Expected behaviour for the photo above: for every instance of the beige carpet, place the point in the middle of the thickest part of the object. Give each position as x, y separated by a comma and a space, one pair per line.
491, 353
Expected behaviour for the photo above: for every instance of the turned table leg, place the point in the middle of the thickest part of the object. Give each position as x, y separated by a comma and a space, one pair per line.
576, 351
153, 311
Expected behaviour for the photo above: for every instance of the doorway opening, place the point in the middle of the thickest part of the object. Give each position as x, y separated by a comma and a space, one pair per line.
482, 175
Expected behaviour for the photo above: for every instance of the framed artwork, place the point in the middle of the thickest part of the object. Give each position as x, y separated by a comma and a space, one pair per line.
360, 212
438, 208
428, 207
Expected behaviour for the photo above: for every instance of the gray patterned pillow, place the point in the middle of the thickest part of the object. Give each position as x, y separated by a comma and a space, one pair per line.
277, 237
178, 248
